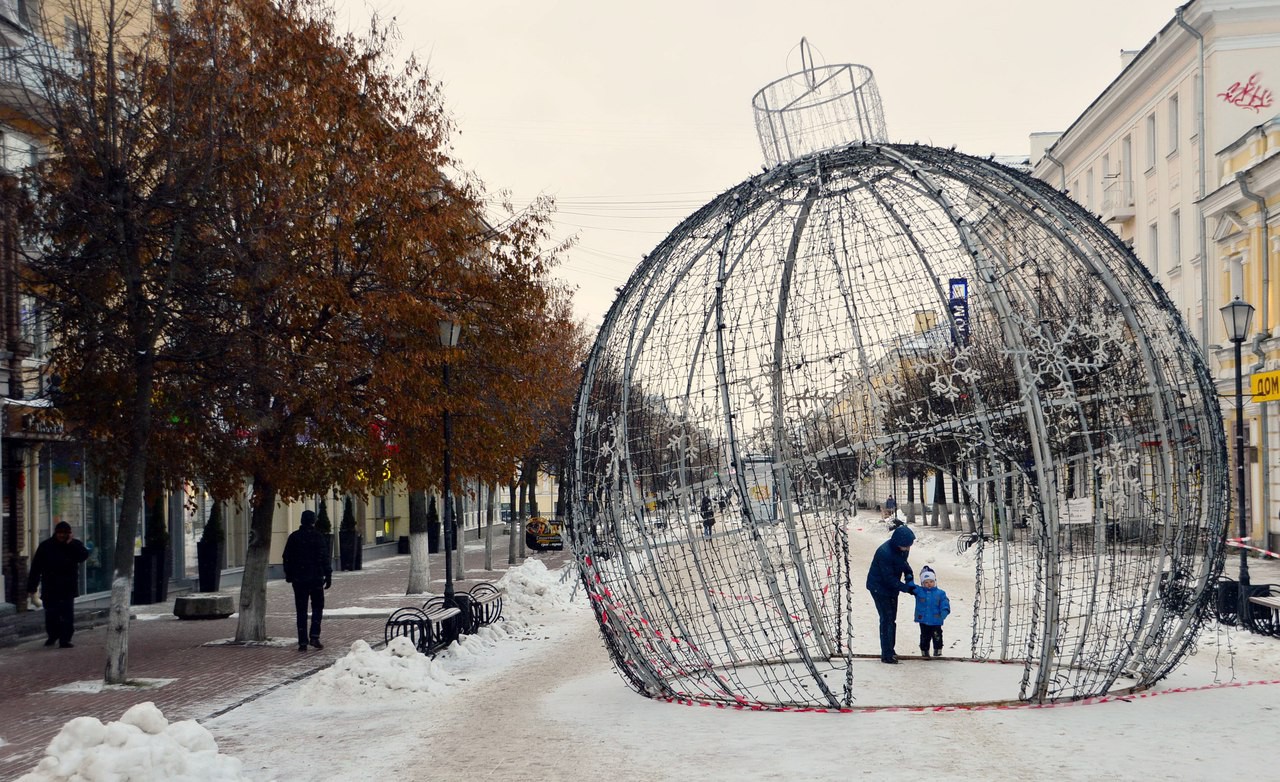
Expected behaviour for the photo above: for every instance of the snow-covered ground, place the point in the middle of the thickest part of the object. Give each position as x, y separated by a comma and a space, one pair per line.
535, 698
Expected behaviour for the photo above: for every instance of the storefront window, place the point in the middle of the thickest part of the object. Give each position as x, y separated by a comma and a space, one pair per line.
64, 492
101, 532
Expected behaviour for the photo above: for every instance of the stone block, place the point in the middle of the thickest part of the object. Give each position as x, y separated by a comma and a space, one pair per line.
204, 605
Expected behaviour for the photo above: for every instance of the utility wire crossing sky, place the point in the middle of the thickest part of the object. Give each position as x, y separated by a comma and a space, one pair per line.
633, 117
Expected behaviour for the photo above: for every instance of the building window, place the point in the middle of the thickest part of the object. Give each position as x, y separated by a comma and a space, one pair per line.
1126, 159
1235, 270
1173, 123
1153, 248
1175, 239
1151, 140
31, 325
1106, 165
1088, 184
73, 35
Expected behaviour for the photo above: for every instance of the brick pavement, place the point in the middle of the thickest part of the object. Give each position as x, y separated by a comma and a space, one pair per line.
206, 679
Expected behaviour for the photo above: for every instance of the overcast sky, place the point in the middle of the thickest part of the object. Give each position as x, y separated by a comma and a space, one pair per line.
633, 115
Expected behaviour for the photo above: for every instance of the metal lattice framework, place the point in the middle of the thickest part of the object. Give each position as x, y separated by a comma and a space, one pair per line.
819, 107
878, 307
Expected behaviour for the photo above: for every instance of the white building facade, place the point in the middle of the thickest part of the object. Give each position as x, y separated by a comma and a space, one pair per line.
1156, 156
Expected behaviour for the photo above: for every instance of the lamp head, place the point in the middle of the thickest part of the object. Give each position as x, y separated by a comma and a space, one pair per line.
450, 330
1236, 317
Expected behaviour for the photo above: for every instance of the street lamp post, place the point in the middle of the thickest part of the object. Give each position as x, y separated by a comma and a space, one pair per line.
449, 333
1236, 316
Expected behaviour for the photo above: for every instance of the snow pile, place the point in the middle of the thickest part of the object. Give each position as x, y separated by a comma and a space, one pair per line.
142, 745
363, 672
531, 593
531, 590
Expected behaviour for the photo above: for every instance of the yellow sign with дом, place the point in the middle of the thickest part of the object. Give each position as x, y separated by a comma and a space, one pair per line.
1265, 386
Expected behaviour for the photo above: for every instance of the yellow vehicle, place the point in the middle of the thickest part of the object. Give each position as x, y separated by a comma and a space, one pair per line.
543, 534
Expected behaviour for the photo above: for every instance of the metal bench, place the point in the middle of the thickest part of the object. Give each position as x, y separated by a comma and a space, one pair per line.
431, 628
436, 625
1264, 610
486, 605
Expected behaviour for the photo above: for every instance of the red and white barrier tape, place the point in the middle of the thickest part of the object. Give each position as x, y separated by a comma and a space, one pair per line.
1240, 543
742, 705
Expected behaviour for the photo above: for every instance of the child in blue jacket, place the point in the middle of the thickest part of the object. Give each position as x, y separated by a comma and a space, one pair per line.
932, 607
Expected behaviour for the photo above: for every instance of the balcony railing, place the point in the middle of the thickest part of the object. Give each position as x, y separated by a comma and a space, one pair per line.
1117, 201
23, 67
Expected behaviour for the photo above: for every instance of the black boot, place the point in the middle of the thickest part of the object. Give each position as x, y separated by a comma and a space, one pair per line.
315, 641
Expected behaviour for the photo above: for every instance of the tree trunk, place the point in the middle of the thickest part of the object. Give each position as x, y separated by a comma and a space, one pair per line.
511, 523
419, 562
488, 529
117, 667
561, 515
940, 510
459, 567
968, 499
524, 498
253, 586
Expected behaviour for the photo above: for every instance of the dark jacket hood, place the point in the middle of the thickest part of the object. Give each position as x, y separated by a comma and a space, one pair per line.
902, 536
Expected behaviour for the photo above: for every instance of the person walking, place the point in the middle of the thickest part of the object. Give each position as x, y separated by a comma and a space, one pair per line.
308, 568
55, 568
932, 608
890, 574
708, 516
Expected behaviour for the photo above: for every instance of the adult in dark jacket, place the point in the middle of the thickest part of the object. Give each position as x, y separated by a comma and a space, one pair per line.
56, 569
708, 516
307, 566
889, 575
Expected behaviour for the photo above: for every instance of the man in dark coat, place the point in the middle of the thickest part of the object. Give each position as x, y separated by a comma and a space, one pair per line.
307, 566
885, 579
708, 516
56, 564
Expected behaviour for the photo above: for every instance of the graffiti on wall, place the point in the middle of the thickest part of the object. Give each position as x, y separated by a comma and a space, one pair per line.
1249, 94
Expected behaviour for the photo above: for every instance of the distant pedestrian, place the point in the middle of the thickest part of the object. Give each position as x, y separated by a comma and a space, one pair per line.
890, 506
56, 569
888, 575
932, 608
708, 516
307, 566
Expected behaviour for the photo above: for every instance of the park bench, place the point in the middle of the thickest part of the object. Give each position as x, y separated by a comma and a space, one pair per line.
436, 625
486, 605
1263, 607
431, 628
1264, 610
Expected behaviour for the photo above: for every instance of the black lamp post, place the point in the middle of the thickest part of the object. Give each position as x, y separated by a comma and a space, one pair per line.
1236, 317
449, 333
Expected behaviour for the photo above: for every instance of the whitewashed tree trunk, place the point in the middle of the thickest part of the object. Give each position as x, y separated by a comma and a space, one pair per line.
511, 523
524, 498
419, 559
459, 567
488, 530
252, 625
117, 667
